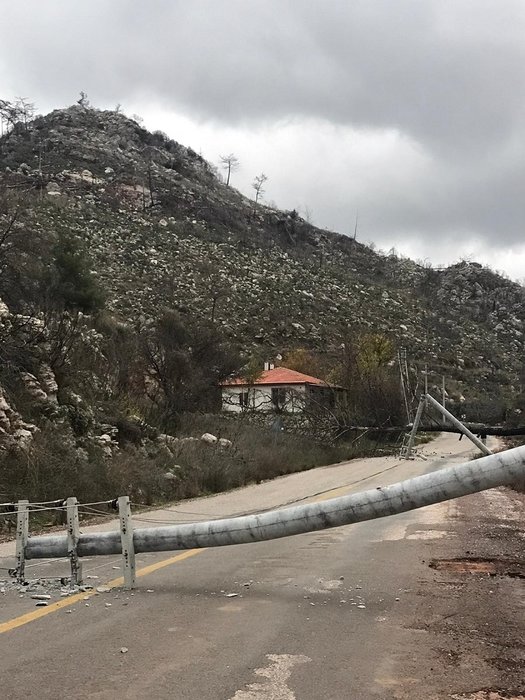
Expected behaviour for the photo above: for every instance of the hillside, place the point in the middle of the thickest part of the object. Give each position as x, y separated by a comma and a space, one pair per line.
129, 269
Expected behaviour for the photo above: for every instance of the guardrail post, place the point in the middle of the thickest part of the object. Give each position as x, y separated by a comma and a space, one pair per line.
126, 538
73, 534
22, 535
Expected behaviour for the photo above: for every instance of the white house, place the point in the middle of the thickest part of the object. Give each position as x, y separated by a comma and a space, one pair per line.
276, 390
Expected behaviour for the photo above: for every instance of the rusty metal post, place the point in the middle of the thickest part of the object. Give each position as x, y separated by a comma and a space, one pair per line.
22, 536
126, 538
73, 535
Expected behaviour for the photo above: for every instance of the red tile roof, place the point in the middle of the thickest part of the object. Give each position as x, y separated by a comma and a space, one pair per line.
278, 375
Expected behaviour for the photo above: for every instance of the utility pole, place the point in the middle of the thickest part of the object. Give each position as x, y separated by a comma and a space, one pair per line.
403, 374
40, 174
443, 393
459, 425
406, 450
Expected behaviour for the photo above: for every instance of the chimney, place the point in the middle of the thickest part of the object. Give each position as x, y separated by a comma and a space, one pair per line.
268, 365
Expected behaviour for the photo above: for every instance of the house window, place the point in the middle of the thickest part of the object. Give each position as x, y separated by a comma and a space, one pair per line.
244, 398
278, 397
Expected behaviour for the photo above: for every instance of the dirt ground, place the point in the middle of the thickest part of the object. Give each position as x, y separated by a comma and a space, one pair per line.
474, 604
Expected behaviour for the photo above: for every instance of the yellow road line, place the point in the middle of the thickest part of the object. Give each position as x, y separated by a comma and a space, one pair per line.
331, 494
144, 571
70, 600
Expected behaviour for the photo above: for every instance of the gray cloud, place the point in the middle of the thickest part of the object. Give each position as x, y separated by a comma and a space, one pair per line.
446, 75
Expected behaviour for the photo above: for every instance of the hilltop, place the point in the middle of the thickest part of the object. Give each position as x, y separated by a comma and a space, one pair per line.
124, 257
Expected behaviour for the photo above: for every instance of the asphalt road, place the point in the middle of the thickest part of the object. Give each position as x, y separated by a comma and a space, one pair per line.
322, 615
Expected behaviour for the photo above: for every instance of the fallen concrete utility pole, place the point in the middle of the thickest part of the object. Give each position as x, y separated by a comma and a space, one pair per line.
459, 480
459, 425
408, 443
476, 428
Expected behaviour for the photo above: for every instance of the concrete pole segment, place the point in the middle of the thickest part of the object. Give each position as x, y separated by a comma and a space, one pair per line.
459, 425
499, 469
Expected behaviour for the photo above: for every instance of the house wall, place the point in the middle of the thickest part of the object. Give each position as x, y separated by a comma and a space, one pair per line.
260, 398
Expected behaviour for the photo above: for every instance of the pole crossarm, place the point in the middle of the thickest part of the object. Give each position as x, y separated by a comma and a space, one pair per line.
499, 469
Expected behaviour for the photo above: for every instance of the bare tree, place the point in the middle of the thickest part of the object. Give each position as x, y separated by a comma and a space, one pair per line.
257, 185
307, 214
231, 164
10, 113
26, 110
83, 101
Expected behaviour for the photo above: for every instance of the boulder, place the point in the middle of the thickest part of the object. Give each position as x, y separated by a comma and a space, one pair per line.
4, 310
48, 382
209, 438
33, 388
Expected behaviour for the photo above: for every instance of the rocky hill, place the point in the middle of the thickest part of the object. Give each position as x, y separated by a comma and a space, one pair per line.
105, 227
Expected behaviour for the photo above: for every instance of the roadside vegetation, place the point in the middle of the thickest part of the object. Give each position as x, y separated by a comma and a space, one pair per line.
133, 281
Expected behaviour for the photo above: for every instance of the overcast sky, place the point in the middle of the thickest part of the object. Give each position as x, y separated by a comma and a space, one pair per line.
411, 112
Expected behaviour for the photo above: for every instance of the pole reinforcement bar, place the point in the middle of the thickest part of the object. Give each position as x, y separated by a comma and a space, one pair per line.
503, 468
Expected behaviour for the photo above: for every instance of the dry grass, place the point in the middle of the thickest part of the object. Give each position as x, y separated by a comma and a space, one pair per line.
54, 467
